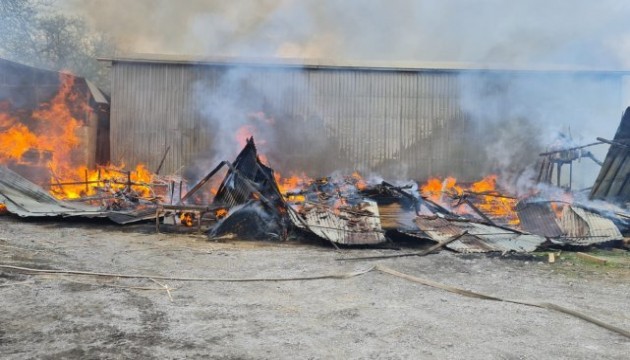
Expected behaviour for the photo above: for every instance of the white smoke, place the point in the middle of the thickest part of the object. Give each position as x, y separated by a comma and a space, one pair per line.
516, 120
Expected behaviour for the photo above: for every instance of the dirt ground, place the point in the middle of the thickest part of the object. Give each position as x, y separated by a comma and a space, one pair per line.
372, 316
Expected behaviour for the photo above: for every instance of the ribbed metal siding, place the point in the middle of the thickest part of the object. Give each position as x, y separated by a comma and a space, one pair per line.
397, 123
153, 107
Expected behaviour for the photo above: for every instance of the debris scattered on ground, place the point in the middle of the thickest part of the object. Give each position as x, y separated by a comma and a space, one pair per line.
249, 203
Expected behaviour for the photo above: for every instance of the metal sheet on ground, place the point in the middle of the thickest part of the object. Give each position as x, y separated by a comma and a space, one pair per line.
585, 228
480, 237
25, 199
343, 227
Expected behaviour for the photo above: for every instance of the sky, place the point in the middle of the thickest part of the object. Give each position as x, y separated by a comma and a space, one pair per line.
579, 33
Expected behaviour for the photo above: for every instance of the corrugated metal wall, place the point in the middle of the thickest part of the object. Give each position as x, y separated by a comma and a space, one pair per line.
411, 124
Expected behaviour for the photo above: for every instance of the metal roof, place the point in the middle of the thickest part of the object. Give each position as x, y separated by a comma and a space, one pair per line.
480, 237
25, 199
584, 228
539, 218
310, 63
97, 94
46, 76
343, 227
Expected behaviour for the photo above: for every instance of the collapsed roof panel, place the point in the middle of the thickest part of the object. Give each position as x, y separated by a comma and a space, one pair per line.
249, 189
247, 179
538, 218
480, 237
343, 226
25, 199
585, 228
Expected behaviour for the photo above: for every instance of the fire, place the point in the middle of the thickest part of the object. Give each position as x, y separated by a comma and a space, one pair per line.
557, 208
48, 139
290, 186
435, 189
52, 127
187, 218
3, 209
82, 182
358, 180
482, 194
492, 202
221, 213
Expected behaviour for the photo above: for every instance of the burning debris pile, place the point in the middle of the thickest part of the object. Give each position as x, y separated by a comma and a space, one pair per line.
251, 201
345, 210
47, 160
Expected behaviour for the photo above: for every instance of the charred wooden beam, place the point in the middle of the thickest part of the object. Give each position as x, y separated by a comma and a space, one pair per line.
157, 171
614, 143
572, 148
203, 181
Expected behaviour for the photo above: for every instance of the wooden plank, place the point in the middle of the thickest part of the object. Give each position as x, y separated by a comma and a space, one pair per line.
591, 258
619, 180
604, 186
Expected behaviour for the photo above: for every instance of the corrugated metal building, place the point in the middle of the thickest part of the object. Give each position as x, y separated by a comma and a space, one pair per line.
400, 120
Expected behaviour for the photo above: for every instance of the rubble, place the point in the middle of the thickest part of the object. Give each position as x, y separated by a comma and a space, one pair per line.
25, 199
249, 204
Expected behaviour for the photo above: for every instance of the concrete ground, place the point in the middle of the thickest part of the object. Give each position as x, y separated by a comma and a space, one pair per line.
372, 316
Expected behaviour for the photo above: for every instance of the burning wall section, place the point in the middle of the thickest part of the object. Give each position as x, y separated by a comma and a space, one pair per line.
52, 125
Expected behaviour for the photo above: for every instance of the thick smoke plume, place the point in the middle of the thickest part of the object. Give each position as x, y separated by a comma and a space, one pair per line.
516, 116
584, 33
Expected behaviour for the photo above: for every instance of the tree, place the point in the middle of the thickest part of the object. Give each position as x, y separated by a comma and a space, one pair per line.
18, 28
31, 33
66, 43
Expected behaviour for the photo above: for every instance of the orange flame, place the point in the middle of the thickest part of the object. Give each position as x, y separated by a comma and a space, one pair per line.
483, 194
494, 204
3, 209
359, 182
221, 213
557, 208
52, 127
53, 130
187, 218
81, 182
435, 189
290, 185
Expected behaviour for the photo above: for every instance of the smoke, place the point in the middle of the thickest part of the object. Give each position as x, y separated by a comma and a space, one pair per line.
513, 116
241, 102
582, 33
519, 115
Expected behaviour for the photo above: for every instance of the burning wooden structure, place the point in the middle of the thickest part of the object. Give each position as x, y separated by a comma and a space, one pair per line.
50, 121
251, 202
344, 210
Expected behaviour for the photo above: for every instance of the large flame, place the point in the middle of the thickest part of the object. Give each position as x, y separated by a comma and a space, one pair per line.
81, 182
52, 127
483, 194
291, 186
49, 139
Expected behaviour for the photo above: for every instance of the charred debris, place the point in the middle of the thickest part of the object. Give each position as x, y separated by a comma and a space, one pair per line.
344, 211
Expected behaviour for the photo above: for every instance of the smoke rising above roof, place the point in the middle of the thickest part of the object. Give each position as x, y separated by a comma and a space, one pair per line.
592, 34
